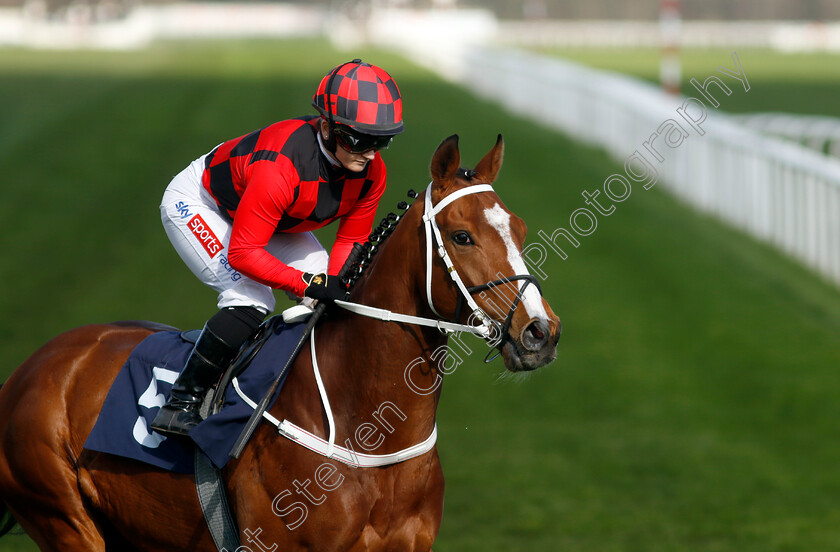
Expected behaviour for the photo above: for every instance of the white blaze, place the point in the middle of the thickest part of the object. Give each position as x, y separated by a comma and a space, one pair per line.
500, 220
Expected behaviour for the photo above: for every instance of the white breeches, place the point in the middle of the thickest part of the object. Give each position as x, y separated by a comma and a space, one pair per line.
201, 235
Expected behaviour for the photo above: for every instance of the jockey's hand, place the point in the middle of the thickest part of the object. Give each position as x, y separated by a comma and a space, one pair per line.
324, 288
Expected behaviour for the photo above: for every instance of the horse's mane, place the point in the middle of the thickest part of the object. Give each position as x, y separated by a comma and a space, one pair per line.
362, 255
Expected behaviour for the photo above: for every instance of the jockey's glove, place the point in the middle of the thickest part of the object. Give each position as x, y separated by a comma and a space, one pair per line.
324, 288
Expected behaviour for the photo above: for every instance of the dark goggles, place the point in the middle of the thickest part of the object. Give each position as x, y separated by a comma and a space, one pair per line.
357, 142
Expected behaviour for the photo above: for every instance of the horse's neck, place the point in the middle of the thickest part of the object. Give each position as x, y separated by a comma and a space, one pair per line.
373, 366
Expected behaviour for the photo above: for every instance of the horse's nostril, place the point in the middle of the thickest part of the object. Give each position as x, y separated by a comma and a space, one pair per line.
535, 335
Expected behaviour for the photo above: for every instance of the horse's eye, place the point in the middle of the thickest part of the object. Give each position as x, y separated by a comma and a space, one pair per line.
462, 238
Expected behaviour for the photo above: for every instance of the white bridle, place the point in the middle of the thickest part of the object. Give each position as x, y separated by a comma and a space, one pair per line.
485, 326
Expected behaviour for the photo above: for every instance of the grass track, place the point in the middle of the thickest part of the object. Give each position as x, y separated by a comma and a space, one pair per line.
693, 405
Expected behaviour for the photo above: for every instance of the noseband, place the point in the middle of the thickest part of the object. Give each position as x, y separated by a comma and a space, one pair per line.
479, 323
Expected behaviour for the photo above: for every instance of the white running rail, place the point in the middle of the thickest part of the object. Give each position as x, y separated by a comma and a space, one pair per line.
818, 132
776, 190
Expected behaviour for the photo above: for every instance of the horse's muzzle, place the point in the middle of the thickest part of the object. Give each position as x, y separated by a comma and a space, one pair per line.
535, 346
535, 335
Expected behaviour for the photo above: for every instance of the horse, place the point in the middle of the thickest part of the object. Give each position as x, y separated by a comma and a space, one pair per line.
383, 377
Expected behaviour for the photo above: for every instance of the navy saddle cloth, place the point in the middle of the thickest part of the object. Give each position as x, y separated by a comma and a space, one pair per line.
141, 388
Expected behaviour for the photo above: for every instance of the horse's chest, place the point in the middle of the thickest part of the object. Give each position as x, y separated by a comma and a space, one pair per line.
404, 508
340, 508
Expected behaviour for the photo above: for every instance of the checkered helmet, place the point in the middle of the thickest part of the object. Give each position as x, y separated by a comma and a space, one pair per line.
362, 96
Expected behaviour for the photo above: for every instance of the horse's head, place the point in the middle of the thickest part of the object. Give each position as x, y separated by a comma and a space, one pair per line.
483, 241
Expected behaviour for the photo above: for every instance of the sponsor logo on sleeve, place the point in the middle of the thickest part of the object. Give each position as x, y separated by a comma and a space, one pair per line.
183, 209
205, 235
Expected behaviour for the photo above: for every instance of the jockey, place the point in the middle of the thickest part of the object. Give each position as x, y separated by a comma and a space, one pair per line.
241, 218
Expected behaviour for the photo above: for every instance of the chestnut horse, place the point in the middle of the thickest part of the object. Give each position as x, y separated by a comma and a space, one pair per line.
71, 499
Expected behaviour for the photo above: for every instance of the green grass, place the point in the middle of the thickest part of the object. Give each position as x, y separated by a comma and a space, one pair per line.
693, 403
789, 82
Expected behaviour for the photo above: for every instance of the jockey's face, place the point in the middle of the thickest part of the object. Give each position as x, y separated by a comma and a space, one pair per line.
351, 161
354, 162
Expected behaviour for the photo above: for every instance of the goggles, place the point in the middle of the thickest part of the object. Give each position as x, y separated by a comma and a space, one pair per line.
356, 142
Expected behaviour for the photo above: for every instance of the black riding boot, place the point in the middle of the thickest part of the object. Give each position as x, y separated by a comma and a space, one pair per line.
205, 365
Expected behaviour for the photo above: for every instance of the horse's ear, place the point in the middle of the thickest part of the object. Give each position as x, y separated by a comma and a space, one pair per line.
489, 167
445, 162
